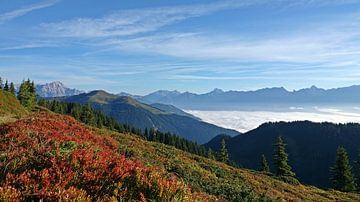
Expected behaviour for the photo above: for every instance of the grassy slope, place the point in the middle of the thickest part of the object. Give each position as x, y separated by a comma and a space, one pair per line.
216, 178
10, 108
202, 174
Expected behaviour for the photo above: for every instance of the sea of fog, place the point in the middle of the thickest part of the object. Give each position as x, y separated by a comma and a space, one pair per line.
244, 121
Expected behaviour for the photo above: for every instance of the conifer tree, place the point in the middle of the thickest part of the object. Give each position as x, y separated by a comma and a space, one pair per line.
6, 86
1, 83
210, 154
342, 177
223, 154
282, 167
264, 164
12, 89
27, 94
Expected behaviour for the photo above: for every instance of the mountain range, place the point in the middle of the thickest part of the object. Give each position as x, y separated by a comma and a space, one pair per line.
311, 147
232, 100
165, 118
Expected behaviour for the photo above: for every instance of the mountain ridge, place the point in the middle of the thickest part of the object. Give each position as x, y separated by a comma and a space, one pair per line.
140, 115
232, 100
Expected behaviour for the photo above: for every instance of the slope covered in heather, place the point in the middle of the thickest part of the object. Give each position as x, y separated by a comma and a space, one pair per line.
53, 157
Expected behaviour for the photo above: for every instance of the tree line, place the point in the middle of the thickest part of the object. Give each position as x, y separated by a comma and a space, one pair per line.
343, 178
7, 87
26, 93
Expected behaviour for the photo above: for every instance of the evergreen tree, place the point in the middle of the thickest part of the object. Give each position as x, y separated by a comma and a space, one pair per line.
27, 94
342, 177
223, 154
6, 86
282, 168
210, 154
12, 89
264, 164
1, 83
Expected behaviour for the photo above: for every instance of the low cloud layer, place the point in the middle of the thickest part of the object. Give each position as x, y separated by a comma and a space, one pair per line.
244, 121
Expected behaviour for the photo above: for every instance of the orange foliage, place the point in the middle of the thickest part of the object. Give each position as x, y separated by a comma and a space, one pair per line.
54, 157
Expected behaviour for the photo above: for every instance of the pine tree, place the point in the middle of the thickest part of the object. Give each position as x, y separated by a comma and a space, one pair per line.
223, 154
342, 177
12, 89
282, 167
6, 86
27, 94
1, 83
210, 154
264, 164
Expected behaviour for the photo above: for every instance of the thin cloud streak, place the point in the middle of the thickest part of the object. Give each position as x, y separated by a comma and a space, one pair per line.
23, 11
136, 21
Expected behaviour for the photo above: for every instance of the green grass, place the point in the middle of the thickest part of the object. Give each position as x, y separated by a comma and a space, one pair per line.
10, 108
218, 179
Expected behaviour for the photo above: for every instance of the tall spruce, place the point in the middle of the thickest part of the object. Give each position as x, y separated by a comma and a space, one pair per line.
12, 89
342, 176
282, 167
264, 164
27, 94
1, 83
223, 153
6, 86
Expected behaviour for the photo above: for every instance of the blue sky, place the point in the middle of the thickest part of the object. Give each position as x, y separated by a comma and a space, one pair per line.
142, 46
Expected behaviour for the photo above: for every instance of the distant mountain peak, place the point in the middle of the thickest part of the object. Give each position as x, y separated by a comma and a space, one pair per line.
55, 89
217, 91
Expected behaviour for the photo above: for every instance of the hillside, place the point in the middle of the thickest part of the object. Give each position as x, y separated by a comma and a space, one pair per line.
130, 111
311, 147
10, 108
53, 157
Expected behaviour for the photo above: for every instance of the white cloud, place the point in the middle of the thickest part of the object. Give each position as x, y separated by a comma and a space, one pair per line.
244, 121
323, 44
135, 21
23, 11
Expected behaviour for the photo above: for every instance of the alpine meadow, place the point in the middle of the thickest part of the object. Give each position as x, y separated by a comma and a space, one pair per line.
180, 101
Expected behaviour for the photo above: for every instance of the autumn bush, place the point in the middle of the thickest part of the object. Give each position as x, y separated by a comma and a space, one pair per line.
54, 157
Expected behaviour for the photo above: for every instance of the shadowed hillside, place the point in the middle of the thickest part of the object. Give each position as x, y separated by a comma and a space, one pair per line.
311, 147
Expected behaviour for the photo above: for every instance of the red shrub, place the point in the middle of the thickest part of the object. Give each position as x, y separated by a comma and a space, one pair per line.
54, 157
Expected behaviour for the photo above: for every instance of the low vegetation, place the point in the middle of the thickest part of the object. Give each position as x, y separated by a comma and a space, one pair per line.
52, 157
10, 108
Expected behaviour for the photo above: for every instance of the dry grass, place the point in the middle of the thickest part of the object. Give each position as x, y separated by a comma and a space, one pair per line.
10, 107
